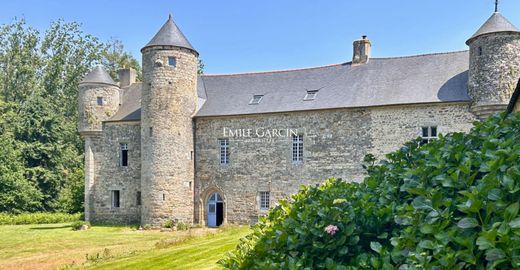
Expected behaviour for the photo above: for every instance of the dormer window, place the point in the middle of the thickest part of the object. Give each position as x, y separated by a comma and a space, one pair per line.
311, 95
256, 99
172, 61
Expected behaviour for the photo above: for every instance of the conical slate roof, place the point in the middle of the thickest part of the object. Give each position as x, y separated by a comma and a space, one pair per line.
98, 75
495, 23
170, 35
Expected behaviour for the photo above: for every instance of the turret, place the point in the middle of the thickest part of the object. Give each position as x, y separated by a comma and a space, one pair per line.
98, 100
494, 65
169, 101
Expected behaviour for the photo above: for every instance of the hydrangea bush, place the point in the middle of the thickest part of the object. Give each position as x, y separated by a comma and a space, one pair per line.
450, 204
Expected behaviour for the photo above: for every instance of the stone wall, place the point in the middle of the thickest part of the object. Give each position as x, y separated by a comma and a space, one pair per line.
335, 142
169, 100
110, 175
494, 71
90, 114
392, 126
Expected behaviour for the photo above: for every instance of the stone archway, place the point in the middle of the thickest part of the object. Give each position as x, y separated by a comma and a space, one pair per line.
214, 207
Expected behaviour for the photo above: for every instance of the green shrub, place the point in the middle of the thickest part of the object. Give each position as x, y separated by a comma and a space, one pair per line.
37, 218
168, 224
450, 204
76, 226
181, 226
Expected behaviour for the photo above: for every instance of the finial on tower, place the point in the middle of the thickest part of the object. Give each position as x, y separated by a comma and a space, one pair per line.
496, 5
170, 16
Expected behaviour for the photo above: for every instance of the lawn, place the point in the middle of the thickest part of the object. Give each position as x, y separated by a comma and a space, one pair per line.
52, 246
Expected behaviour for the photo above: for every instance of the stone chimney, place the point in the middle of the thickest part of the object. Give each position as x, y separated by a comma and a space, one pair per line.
362, 50
127, 76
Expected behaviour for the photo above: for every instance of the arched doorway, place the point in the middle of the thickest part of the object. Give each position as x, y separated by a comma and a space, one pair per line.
215, 210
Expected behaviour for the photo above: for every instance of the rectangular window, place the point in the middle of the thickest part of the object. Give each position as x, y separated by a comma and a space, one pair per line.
115, 199
297, 148
124, 154
428, 134
264, 200
100, 101
150, 131
172, 61
311, 95
224, 151
138, 198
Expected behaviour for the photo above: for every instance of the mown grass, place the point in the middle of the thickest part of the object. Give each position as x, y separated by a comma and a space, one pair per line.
51, 246
197, 253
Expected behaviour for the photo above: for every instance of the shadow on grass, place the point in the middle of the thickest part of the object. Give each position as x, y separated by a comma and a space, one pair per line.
51, 227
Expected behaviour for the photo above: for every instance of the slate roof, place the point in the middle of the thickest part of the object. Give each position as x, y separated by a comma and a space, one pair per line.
130, 109
170, 35
430, 78
98, 75
496, 23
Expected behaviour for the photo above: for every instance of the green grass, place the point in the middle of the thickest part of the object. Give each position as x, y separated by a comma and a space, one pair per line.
50, 246
197, 253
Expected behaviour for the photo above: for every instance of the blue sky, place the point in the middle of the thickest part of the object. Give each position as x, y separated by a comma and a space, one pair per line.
243, 36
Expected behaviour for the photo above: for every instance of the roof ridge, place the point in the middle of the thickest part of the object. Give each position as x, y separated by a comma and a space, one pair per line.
330, 65
418, 55
275, 71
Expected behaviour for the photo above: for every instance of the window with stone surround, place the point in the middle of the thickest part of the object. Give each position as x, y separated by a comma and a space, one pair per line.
224, 151
172, 61
264, 200
115, 198
100, 101
297, 148
429, 134
123, 162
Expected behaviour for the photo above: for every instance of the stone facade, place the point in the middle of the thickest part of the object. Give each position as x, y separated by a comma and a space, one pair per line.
494, 71
92, 114
109, 175
335, 143
169, 101
174, 153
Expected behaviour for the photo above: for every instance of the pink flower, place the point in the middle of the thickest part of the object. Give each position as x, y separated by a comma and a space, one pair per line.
331, 229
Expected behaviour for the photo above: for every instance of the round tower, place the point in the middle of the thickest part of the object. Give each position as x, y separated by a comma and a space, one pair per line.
494, 65
98, 101
168, 103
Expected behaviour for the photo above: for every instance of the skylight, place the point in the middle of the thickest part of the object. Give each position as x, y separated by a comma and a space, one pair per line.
311, 95
256, 99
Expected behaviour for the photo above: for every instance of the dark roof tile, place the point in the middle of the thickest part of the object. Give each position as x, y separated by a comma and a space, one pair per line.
496, 23
170, 35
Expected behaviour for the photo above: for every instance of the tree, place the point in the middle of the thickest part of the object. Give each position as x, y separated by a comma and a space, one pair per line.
115, 58
17, 194
200, 67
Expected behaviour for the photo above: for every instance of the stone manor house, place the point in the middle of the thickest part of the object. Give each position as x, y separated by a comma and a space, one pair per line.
212, 149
